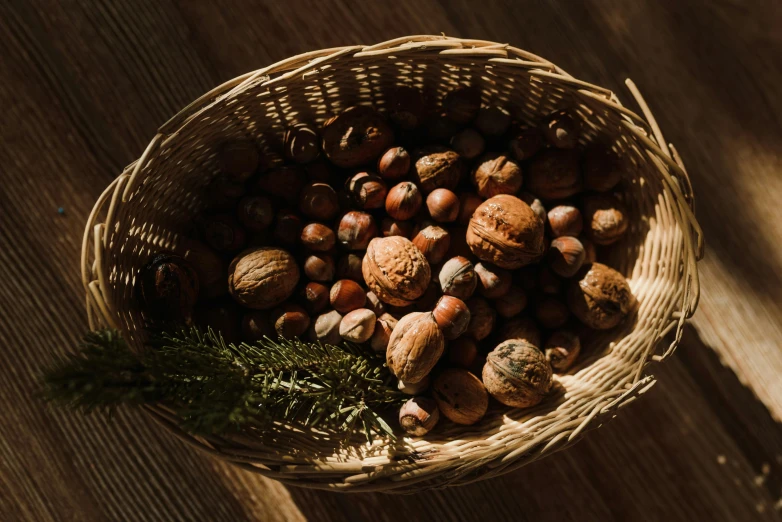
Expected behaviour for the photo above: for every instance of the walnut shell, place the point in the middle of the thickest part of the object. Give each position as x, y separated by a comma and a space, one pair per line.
554, 174
600, 296
517, 374
356, 136
605, 218
395, 270
506, 231
461, 396
437, 167
262, 278
495, 174
415, 346
520, 329
562, 349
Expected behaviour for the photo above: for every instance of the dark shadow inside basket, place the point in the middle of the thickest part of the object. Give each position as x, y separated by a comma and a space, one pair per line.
161, 209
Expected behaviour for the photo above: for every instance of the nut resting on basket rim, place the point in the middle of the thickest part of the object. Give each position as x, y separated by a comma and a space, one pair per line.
125, 227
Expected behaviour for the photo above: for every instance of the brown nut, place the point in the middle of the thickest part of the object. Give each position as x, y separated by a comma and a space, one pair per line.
468, 202
433, 242
317, 237
463, 352
255, 212
452, 316
419, 416
605, 218
346, 295
256, 326
551, 313
562, 349
406, 107
319, 267
210, 269
375, 304
437, 167
602, 168
414, 388
403, 201
393, 227
415, 346
315, 297
600, 297
496, 174
461, 396
525, 143
319, 201
439, 130
287, 228
239, 159
356, 229
462, 105
492, 121
356, 136
565, 220
395, 270
443, 205
284, 183
493, 281
505, 231
512, 303
554, 174
561, 130
349, 267
394, 163
458, 278
384, 326
301, 143
535, 204
325, 328
290, 320
468, 143
223, 233
262, 278
517, 374
482, 318
520, 329
167, 288
566, 255
357, 326
366, 191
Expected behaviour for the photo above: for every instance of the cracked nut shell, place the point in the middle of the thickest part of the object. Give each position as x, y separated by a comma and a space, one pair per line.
600, 297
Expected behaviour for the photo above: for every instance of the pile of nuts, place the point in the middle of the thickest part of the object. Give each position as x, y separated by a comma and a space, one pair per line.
457, 241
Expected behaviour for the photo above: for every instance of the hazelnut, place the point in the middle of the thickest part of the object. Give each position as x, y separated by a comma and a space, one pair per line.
223, 233
590, 250
562, 349
366, 191
394, 163
319, 267
325, 328
395, 270
461, 396
414, 388
349, 267
443, 205
463, 352
256, 212
561, 130
356, 229
520, 329
517, 374
222, 316
284, 183
566, 255
512, 303
317, 237
319, 201
167, 288
301, 143
256, 326
346, 296
505, 231
605, 218
356, 136
554, 174
290, 320
535, 204
493, 281
357, 326
468, 143
403, 201
457, 278
384, 325
406, 107
393, 227
415, 346
429, 298
433, 242
564, 220
287, 228
525, 143
262, 278
600, 297
462, 105
468, 202
551, 313
437, 167
315, 297
602, 168
439, 130
375, 304
496, 174
239, 159
452, 316
419, 416
209, 268
492, 121
548, 282
457, 246
482, 318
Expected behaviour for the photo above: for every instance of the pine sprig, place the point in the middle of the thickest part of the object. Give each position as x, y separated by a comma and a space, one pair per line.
216, 387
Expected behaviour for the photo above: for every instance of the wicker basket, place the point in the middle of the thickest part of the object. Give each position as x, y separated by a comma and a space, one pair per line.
147, 207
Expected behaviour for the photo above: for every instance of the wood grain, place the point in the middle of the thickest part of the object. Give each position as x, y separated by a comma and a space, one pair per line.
86, 84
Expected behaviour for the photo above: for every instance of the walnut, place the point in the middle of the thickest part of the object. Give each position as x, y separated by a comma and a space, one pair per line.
520, 329
461, 396
605, 218
554, 174
262, 278
358, 135
437, 167
506, 231
495, 174
395, 270
600, 296
517, 374
415, 346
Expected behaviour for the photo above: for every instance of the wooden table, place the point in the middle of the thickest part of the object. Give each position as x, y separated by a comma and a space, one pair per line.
84, 87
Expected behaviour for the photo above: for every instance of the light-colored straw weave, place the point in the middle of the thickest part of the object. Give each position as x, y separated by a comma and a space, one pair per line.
148, 207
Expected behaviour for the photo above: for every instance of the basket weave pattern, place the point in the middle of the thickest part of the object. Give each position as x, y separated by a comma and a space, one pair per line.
149, 206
